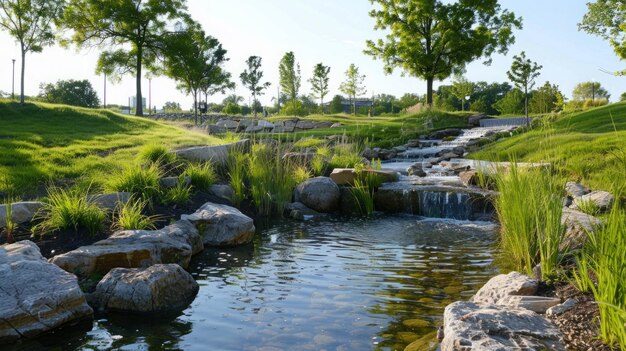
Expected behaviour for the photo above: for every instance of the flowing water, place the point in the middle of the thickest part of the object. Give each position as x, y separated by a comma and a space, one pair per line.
331, 284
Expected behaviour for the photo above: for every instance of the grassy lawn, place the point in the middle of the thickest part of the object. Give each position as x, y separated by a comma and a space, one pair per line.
41, 143
588, 146
383, 131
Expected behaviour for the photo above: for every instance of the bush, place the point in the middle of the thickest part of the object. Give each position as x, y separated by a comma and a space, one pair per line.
155, 153
232, 109
178, 195
292, 108
69, 209
130, 216
594, 103
202, 176
140, 181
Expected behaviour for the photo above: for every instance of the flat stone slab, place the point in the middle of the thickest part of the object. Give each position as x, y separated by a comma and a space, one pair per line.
222, 225
175, 243
537, 304
346, 176
36, 296
217, 154
504, 285
471, 326
109, 201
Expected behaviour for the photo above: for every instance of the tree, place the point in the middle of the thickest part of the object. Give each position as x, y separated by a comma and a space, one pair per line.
172, 106
432, 39
252, 76
130, 32
289, 75
234, 98
462, 88
319, 82
70, 92
232, 108
589, 91
336, 104
605, 18
622, 97
192, 59
511, 104
353, 85
547, 98
486, 95
408, 100
31, 24
523, 73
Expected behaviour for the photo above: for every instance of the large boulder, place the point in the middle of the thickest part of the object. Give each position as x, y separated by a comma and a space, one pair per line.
37, 296
175, 243
297, 210
222, 225
578, 225
471, 326
109, 201
346, 176
503, 285
602, 200
416, 170
320, 194
162, 288
217, 154
224, 191
22, 212
575, 190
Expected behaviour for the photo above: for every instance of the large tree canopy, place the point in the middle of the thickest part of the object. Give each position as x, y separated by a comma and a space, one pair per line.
70, 92
432, 39
31, 24
131, 32
589, 91
606, 19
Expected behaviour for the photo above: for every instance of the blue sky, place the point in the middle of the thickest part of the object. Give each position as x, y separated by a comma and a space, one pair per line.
334, 32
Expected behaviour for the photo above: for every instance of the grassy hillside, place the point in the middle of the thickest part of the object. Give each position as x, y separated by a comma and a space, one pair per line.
383, 131
42, 142
589, 146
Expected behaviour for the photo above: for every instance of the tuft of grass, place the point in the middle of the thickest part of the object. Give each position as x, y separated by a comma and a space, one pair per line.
156, 153
9, 226
529, 208
130, 216
345, 155
300, 174
139, 181
178, 195
236, 165
69, 209
589, 207
364, 187
202, 175
309, 143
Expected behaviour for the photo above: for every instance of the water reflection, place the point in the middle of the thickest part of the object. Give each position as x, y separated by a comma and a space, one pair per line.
331, 285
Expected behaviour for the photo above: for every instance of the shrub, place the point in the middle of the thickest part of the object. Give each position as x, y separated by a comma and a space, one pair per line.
308, 143
594, 103
154, 153
69, 209
345, 156
178, 195
300, 174
136, 180
293, 108
130, 216
232, 109
202, 176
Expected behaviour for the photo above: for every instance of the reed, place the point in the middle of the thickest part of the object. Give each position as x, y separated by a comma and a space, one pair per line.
130, 216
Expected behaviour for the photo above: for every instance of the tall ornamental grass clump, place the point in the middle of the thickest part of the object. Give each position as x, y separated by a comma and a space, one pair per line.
69, 209
130, 216
156, 153
364, 187
201, 175
142, 181
236, 165
529, 208
604, 256
9, 226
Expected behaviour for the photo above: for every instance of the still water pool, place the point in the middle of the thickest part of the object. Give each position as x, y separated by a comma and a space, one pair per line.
375, 284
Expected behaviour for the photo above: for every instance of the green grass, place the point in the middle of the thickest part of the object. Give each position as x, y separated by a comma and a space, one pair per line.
42, 142
69, 209
201, 175
588, 146
178, 195
130, 216
156, 153
141, 181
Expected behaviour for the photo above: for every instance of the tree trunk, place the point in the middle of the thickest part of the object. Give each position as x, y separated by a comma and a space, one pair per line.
463, 104
429, 91
354, 105
253, 104
139, 97
195, 108
23, 70
322, 104
526, 105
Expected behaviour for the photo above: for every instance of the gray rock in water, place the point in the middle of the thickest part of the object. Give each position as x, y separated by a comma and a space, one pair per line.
320, 194
470, 326
162, 288
297, 210
602, 200
109, 201
503, 285
222, 225
416, 170
37, 296
175, 243
574, 189
22, 212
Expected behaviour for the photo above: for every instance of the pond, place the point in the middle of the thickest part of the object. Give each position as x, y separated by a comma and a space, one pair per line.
330, 284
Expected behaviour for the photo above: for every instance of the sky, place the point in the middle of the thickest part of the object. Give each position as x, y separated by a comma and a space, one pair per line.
333, 32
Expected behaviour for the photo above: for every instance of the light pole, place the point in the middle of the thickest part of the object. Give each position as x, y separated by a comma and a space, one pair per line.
13, 84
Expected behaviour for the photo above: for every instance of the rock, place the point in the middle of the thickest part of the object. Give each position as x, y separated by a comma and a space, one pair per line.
602, 200
244, 124
284, 129
386, 155
399, 149
336, 125
503, 285
221, 225
575, 190
416, 170
447, 156
474, 120
578, 225
172, 182
37, 296
347, 203
413, 143
254, 129
218, 154
305, 125
162, 288
299, 158
175, 243
441, 134
371, 154
346, 176
537, 304
266, 124
224, 191
470, 326
215, 129
22, 212
227, 124
110, 201
299, 211
320, 194
470, 178
562, 308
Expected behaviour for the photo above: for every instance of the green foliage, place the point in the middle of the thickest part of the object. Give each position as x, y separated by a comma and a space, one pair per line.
9, 226
237, 162
364, 187
202, 176
462, 88
353, 85
289, 76
143, 182
622, 97
486, 95
594, 103
511, 103
69, 209
31, 24
70, 92
178, 195
232, 109
548, 98
308, 143
172, 106
251, 78
130, 216
156, 153
590, 91
345, 155
523, 73
604, 18
114, 26
292, 108
529, 208
300, 174
319, 82
336, 105
468, 33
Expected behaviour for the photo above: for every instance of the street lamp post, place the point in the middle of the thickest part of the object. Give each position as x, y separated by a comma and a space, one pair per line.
13, 84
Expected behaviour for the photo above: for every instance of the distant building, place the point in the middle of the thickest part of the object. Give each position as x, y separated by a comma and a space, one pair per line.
359, 102
133, 102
